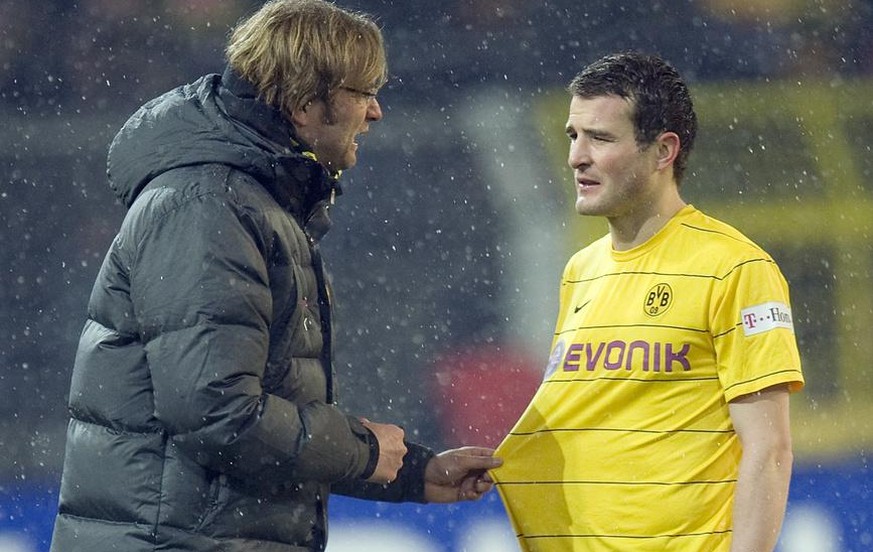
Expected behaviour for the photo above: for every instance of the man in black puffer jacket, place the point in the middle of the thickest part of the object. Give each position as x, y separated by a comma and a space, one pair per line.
202, 398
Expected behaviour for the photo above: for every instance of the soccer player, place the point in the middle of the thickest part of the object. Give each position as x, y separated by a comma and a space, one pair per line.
662, 421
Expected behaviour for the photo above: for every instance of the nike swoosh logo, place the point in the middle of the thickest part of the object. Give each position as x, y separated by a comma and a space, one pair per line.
582, 306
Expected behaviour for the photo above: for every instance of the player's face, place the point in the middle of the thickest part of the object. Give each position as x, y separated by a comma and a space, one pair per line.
330, 128
611, 173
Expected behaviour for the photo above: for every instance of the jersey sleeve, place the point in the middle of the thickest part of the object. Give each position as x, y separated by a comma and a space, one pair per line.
753, 330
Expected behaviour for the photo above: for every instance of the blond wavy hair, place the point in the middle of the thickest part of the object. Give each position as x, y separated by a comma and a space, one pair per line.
297, 51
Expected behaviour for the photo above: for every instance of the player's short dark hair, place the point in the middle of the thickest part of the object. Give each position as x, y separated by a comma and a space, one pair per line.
660, 99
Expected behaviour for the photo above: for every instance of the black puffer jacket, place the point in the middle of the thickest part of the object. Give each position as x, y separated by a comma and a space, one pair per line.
202, 397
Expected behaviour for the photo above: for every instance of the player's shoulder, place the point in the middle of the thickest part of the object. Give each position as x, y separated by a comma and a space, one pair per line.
719, 237
592, 253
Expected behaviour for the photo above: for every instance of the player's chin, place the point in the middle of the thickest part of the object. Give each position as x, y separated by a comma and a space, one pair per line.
585, 207
589, 205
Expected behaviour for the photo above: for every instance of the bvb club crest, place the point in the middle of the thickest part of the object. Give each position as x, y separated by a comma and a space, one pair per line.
658, 300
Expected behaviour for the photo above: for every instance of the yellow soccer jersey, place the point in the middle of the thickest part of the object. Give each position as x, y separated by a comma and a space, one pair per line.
628, 443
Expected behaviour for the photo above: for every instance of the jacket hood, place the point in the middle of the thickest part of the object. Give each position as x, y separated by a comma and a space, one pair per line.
216, 119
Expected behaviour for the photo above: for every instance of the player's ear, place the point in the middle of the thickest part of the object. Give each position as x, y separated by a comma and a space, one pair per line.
668, 146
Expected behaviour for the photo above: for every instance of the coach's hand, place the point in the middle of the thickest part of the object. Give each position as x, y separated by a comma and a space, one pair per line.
391, 451
459, 474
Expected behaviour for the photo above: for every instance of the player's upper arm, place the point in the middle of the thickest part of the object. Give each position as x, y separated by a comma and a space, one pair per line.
762, 418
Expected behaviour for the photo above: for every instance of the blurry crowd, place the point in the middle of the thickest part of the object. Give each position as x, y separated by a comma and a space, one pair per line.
88, 55
71, 71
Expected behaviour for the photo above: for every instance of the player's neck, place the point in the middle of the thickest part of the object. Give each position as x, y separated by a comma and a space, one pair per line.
637, 227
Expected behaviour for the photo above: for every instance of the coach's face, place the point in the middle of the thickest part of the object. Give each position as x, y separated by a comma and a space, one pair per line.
331, 127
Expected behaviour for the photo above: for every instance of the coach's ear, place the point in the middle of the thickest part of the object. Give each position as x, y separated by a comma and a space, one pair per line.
301, 116
668, 145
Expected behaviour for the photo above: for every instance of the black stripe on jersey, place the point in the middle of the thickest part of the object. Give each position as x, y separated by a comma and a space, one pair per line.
607, 326
617, 483
619, 430
635, 537
677, 274
712, 231
638, 380
767, 376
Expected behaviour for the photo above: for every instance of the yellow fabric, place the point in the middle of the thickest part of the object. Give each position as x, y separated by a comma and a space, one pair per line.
628, 444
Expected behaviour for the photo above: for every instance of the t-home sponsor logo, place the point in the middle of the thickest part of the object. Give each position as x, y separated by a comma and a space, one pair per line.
765, 317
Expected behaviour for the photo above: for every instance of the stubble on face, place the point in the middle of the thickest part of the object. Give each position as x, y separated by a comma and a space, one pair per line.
611, 172
332, 128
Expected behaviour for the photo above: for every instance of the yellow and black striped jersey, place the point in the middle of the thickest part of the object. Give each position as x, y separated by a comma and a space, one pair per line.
628, 443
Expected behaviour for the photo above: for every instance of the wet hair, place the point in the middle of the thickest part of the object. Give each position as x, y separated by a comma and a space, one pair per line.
660, 99
297, 51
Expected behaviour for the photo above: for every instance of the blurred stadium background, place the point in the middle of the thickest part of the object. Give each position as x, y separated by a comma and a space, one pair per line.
457, 221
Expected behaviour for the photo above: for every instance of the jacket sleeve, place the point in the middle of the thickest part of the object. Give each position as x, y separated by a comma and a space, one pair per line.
201, 294
408, 487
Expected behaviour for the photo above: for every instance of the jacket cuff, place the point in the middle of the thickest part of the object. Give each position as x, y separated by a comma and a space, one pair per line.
365, 436
408, 487
373, 461
413, 471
